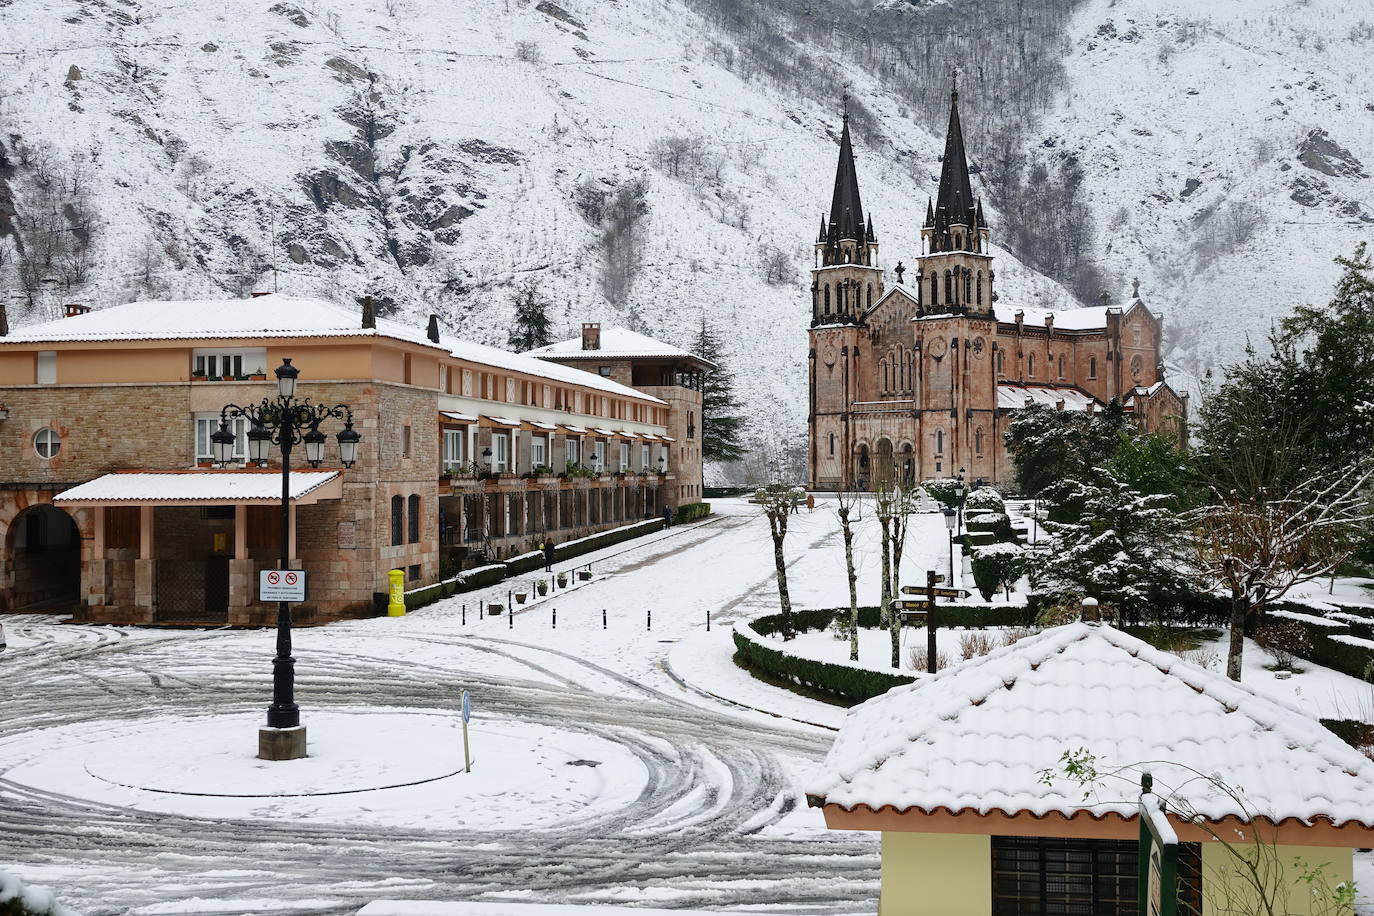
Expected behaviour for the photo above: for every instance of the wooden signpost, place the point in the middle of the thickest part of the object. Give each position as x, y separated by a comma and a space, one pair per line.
1158, 867
913, 609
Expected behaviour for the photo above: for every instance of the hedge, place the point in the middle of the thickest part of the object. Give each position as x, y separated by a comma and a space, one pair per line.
691, 512
483, 576
723, 492
848, 682
844, 679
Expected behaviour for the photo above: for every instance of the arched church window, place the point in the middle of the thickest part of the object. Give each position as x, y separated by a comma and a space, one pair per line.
1061, 365
1001, 361
1030, 365
827, 298
886, 377
870, 295
939, 441
832, 445
934, 289
968, 286
949, 287
978, 441
980, 287
1092, 367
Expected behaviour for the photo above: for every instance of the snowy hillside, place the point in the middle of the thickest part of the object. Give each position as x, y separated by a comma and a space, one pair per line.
647, 162
1227, 151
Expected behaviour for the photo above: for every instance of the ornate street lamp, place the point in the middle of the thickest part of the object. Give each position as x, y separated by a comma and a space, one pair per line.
284, 421
949, 526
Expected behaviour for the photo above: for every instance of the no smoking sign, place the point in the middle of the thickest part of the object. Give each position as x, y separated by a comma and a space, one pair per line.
281, 585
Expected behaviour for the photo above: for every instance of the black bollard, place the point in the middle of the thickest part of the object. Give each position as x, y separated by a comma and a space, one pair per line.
465, 615
554, 619
649, 618
603, 618
708, 621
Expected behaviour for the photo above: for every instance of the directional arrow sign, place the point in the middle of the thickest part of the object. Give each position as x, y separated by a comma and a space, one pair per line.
938, 592
911, 605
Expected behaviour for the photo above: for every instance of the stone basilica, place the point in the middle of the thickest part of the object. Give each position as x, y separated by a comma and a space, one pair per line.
921, 380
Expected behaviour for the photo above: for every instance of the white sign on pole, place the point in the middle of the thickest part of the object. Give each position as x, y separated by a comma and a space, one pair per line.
281, 585
467, 714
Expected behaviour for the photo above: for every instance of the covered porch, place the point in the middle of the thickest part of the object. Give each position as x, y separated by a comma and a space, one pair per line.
186, 547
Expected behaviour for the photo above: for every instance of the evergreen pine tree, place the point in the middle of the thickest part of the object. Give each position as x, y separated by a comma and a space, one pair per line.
721, 427
531, 327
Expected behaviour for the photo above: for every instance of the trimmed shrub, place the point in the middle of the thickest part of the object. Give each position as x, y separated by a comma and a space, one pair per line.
1284, 640
941, 490
848, 682
17, 899
723, 492
691, 512
985, 498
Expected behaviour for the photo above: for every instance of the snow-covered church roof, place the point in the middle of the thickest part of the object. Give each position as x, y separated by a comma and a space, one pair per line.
975, 738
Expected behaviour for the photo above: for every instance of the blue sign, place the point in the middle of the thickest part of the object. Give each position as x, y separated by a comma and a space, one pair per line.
467, 708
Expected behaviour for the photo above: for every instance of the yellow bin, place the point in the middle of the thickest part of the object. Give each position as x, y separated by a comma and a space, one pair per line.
396, 606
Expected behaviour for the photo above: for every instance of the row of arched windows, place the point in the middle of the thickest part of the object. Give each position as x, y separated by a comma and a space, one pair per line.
971, 281
1030, 365
845, 302
897, 371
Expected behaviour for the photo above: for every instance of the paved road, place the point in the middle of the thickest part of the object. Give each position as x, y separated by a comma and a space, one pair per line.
713, 827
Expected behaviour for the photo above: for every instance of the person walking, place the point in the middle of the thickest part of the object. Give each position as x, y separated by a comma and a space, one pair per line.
548, 555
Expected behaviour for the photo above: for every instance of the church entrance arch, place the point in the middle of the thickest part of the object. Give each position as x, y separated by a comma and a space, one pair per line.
906, 461
885, 469
43, 546
863, 467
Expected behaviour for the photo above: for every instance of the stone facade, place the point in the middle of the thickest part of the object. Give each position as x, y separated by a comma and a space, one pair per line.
921, 380
104, 412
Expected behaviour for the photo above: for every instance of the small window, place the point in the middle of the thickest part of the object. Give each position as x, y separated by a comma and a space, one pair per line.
574, 449
939, 441
624, 457
405, 368
47, 443
414, 527
539, 451
405, 440
604, 370
832, 445
398, 507
47, 367
1030, 365
644, 457
455, 449
413, 572
978, 441
1092, 367
500, 452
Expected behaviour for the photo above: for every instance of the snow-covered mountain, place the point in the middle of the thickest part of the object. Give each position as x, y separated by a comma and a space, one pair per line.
652, 162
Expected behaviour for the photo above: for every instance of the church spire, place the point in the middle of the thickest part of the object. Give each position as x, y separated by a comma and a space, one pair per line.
955, 202
846, 211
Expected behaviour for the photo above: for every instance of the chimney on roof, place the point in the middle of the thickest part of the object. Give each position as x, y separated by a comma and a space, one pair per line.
73, 309
256, 295
4, 319
369, 314
433, 331
591, 336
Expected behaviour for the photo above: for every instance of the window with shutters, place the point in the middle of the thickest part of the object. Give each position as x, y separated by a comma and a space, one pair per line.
1041, 876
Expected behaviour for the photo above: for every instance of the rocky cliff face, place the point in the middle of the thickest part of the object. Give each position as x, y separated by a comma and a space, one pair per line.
651, 162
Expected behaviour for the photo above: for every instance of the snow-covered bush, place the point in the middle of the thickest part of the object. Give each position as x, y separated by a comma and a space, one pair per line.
1285, 641
18, 899
976, 643
985, 498
919, 659
996, 566
941, 490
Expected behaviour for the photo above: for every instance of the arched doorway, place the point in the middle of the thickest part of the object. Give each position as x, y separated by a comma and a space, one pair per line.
885, 470
907, 462
862, 468
44, 548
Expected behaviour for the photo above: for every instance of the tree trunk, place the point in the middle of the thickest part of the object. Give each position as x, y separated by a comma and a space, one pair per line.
1240, 607
853, 590
885, 610
780, 532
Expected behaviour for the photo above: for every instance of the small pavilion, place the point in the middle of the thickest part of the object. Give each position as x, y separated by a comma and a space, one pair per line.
963, 773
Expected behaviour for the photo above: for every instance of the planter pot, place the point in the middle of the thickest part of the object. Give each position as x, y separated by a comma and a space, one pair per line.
520, 597
562, 581
496, 609
584, 574
542, 588
258, 377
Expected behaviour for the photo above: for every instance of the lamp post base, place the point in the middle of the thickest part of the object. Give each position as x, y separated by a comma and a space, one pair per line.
281, 743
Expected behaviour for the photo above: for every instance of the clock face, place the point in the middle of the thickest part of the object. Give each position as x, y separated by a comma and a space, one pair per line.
937, 347
830, 355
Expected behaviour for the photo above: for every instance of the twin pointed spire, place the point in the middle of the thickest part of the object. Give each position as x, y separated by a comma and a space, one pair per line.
846, 209
954, 203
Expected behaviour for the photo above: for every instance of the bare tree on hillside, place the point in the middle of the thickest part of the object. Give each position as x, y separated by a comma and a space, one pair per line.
849, 506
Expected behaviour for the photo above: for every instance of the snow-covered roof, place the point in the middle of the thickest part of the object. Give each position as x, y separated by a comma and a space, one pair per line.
1011, 396
277, 316
976, 737
207, 486
1089, 318
615, 342
523, 362
215, 319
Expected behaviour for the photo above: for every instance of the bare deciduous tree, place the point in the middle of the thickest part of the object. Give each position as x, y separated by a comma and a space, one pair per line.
849, 504
893, 505
777, 500
1259, 544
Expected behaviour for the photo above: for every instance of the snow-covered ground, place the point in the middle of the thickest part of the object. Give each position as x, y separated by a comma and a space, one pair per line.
630, 764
